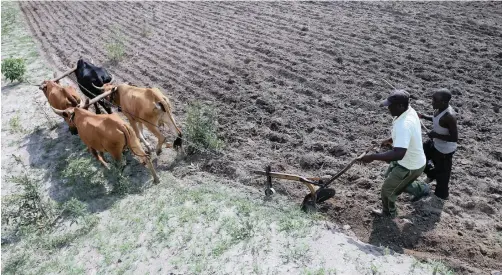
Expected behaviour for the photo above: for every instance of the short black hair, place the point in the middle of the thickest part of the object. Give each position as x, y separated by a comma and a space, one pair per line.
445, 94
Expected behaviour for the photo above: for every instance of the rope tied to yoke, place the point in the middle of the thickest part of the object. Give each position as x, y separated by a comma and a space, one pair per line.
156, 126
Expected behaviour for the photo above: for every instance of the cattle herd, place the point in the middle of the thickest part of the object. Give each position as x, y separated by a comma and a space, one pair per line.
101, 133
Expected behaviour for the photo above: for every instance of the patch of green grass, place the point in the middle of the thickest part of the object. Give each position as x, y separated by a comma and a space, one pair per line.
14, 69
298, 253
201, 129
294, 221
15, 125
237, 229
386, 251
56, 241
220, 247
9, 19
30, 209
115, 49
439, 268
374, 269
320, 271
14, 265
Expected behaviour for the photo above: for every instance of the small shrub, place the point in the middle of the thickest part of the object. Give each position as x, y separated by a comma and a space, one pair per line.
14, 69
73, 209
116, 48
82, 171
201, 129
29, 207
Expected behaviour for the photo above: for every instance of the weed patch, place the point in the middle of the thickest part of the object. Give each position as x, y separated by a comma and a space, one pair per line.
116, 48
201, 129
15, 125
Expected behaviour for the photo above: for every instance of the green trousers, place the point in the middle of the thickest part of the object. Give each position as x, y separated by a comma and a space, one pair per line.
399, 179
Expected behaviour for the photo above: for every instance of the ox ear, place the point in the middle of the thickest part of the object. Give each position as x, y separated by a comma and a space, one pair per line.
160, 106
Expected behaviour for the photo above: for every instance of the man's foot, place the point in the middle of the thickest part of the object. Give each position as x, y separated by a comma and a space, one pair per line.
425, 193
380, 212
401, 221
443, 198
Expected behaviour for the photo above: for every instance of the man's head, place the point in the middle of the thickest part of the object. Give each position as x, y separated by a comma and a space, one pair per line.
441, 99
397, 102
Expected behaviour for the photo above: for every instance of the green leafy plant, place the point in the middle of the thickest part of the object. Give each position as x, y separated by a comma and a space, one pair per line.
14, 69
201, 129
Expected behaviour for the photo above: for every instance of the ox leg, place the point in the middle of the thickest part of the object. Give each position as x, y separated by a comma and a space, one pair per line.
117, 156
152, 170
139, 133
161, 138
99, 157
98, 112
107, 109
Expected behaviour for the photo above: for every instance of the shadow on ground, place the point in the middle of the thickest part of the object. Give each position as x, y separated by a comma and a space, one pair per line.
387, 233
74, 173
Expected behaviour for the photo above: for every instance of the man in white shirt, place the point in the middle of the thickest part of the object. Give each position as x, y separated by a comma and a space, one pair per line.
407, 159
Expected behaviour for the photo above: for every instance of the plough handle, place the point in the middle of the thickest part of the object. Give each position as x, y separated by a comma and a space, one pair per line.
287, 177
347, 167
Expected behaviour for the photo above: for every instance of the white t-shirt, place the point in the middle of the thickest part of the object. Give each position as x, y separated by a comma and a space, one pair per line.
406, 133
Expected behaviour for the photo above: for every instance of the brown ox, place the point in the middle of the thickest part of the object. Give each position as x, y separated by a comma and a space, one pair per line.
145, 106
105, 133
60, 97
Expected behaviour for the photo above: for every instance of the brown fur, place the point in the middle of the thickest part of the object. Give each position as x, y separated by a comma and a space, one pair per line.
107, 133
60, 97
145, 107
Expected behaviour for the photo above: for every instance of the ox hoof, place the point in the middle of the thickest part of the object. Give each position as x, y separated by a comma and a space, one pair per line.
156, 181
159, 151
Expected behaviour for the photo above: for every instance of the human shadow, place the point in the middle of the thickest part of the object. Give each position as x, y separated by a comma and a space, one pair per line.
386, 233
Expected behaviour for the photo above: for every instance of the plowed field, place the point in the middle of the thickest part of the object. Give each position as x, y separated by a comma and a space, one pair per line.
297, 85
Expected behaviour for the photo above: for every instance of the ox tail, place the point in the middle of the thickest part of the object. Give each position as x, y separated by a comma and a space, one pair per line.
132, 141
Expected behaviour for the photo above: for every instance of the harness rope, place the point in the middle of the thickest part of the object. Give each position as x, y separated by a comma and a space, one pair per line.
113, 104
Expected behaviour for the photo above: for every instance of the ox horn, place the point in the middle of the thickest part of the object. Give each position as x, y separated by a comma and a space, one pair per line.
101, 96
65, 74
57, 111
83, 103
99, 88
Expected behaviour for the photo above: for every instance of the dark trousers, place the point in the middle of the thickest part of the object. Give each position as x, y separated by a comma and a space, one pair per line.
441, 170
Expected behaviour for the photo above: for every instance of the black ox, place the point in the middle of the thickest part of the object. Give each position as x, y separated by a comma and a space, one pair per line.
87, 74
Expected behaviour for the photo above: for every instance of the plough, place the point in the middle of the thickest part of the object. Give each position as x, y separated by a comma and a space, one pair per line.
320, 195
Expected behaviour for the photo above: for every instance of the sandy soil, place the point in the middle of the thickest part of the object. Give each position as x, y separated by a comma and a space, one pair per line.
297, 85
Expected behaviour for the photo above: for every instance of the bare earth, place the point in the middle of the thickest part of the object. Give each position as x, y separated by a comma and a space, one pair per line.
297, 85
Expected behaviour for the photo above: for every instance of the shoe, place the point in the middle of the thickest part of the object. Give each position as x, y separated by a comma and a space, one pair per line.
443, 198
425, 193
379, 212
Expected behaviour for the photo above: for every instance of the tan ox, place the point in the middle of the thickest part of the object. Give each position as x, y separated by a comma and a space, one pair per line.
60, 97
105, 133
145, 106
